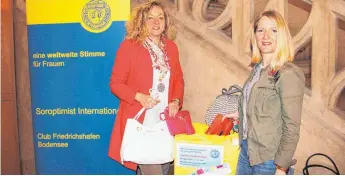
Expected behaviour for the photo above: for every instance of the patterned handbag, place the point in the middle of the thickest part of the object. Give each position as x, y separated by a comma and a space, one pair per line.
225, 103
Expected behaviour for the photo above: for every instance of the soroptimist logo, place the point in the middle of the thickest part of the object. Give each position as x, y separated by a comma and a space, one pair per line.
214, 153
96, 16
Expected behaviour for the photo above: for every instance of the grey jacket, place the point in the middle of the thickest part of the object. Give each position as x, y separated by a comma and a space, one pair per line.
274, 115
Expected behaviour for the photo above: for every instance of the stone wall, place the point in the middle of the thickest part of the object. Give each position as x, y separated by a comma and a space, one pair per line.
212, 61
206, 72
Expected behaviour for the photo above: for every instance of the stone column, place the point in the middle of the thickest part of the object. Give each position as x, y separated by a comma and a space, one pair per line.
241, 18
183, 6
23, 89
320, 52
333, 42
335, 76
279, 5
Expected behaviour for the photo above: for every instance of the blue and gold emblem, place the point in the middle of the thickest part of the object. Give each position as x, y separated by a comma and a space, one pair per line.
96, 16
214, 153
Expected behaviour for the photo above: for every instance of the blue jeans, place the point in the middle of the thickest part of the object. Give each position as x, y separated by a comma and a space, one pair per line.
265, 168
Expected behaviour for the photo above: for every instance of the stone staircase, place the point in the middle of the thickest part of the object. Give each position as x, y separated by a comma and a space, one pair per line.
302, 58
214, 9
217, 61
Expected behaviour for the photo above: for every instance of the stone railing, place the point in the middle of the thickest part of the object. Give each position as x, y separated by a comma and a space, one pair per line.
318, 40
226, 24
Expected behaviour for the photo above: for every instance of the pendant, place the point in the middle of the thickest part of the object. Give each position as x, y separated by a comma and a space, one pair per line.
161, 87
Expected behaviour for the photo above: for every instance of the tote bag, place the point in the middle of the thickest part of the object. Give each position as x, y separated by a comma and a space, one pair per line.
225, 103
144, 145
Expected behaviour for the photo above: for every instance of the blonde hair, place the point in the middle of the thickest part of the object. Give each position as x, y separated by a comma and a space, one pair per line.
284, 51
135, 26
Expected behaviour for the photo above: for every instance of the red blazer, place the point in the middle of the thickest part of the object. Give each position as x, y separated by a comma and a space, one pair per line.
132, 73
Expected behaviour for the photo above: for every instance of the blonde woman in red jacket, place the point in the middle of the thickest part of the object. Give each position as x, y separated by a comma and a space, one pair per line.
146, 60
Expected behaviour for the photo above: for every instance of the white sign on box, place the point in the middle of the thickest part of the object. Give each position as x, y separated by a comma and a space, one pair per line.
197, 155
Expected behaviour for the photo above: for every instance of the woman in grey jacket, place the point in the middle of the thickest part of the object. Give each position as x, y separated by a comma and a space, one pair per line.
270, 109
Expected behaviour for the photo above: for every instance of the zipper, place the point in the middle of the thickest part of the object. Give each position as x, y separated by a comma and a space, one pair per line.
243, 99
250, 103
250, 78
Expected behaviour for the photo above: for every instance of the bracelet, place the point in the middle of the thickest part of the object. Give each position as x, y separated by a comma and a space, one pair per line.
176, 100
281, 168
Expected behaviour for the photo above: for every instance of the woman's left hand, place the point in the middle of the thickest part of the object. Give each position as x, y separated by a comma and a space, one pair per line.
173, 108
280, 172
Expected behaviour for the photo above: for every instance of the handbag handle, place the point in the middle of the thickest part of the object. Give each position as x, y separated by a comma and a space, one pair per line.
136, 117
233, 89
163, 114
160, 116
307, 165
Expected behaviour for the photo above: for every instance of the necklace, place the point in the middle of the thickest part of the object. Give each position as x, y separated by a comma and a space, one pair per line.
160, 60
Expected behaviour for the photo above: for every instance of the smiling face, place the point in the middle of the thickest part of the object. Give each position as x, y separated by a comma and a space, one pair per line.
155, 22
266, 35
271, 40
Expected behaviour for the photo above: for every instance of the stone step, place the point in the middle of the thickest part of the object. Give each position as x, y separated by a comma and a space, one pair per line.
216, 4
213, 13
212, 16
214, 9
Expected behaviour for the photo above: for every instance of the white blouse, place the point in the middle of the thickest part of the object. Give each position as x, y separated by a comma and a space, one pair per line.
152, 115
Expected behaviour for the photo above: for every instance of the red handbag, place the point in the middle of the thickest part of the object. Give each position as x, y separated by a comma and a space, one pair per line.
220, 126
180, 124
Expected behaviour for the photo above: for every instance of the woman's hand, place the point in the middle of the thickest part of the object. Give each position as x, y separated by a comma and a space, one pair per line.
234, 116
146, 100
173, 108
280, 172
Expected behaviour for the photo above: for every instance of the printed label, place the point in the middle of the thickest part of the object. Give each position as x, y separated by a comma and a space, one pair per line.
197, 155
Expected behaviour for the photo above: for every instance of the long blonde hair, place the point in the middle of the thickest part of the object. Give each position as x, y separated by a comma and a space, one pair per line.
284, 51
135, 26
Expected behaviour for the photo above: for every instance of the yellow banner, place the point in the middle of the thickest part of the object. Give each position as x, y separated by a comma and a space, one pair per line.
94, 13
